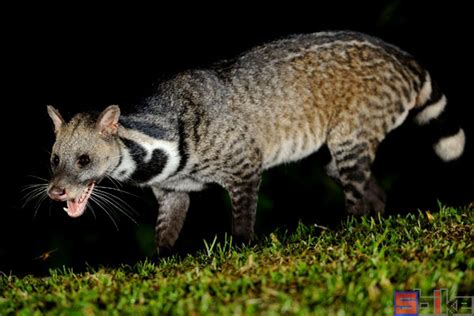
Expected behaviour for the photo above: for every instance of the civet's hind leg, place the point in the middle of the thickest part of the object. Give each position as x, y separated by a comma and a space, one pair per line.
351, 164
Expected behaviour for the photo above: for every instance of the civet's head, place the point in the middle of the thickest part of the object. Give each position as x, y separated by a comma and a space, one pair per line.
86, 148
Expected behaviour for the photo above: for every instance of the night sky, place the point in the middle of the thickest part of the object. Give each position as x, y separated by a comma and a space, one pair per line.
96, 59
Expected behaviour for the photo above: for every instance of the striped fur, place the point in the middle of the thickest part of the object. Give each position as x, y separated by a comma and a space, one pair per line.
277, 103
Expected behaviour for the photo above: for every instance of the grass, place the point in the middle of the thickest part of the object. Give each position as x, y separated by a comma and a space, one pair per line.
353, 270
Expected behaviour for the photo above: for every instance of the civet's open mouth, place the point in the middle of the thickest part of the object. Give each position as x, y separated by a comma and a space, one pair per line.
77, 206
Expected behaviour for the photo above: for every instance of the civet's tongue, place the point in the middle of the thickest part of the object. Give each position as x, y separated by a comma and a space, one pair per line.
77, 206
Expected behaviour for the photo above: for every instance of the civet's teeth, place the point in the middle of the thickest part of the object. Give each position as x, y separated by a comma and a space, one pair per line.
65, 209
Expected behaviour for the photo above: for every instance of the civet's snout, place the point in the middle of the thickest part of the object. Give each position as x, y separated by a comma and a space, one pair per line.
57, 193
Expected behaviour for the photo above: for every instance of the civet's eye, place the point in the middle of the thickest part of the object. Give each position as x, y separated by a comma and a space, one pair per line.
55, 160
84, 160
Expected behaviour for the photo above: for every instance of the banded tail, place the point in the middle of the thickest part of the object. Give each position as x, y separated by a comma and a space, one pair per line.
432, 111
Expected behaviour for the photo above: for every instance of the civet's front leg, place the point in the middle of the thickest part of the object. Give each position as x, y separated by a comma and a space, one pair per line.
173, 207
244, 196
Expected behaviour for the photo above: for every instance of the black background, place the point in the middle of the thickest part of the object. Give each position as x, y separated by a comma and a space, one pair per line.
86, 58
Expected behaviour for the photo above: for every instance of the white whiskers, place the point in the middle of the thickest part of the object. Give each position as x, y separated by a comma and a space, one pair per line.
109, 203
35, 194
101, 196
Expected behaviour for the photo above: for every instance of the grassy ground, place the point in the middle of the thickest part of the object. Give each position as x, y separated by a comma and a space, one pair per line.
351, 271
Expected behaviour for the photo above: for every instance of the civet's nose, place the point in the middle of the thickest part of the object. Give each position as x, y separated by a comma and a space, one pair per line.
57, 193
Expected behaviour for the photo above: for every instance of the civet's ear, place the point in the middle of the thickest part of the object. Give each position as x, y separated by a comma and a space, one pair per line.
107, 124
58, 120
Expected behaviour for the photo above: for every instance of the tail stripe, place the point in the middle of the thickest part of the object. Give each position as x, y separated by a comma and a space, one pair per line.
447, 136
431, 111
451, 147
426, 91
